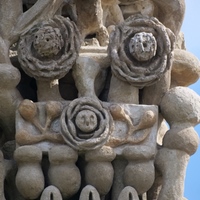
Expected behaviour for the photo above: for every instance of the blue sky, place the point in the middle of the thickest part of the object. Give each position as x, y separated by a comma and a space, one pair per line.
191, 29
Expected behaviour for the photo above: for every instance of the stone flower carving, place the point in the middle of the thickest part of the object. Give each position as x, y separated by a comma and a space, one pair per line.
141, 50
49, 49
85, 124
48, 41
31, 130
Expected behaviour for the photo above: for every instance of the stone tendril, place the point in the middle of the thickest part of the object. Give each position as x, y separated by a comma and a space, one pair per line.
85, 124
141, 50
49, 49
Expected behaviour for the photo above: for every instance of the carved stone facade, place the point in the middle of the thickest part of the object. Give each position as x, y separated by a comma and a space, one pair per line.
87, 87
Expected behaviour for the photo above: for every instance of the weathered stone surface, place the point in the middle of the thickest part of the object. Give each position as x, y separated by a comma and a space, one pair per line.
137, 7
172, 164
185, 69
90, 72
181, 106
57, 39
166, 12
97, 80
90, 20
186, 139
140, 175
161, 132
9, 99
112, 14
38, 131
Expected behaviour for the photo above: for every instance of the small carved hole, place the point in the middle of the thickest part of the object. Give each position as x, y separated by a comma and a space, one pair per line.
51, 196
91, 196
130, 196
145, 44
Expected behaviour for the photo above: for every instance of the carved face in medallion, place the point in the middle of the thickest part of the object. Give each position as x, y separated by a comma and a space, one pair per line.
86, 121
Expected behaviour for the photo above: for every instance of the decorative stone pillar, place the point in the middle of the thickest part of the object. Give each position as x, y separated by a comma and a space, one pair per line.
181, 141
89, 72
141, 51
99, 171
29, 178
63, 172
139, 174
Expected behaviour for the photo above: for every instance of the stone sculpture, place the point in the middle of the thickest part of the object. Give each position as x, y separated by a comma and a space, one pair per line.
101, 78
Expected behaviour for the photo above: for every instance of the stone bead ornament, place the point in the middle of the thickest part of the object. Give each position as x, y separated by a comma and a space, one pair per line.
49, 49
182, 115
85, 124
141, 50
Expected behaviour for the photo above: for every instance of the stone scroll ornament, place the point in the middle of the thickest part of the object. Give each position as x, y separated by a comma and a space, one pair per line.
141, 50
85, 124
49, 49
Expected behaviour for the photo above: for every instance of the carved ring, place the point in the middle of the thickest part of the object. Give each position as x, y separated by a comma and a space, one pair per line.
49, 49
85, 124
141, 50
